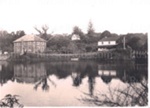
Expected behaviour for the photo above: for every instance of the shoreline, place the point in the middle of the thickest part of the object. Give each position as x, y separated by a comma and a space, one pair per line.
96, 56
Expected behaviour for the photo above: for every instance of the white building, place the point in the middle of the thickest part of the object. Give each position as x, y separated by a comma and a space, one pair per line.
107, 43
75, 37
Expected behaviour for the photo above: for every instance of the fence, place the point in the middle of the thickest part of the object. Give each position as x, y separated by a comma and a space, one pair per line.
102, 55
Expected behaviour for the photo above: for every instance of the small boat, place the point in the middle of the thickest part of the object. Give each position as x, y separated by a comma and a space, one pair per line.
74, 59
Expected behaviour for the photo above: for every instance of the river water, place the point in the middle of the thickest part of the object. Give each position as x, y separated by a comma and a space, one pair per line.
78, 83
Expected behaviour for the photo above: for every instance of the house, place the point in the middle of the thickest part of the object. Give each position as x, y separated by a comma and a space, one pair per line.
107, 43
75, 37
29, 43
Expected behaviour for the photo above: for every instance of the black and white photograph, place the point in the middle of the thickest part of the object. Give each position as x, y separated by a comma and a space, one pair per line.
74, 53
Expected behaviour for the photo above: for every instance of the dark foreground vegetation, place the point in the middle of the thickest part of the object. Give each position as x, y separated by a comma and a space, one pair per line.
10, 101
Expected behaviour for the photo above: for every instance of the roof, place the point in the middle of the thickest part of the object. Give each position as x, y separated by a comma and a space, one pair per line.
30, 38
114, 38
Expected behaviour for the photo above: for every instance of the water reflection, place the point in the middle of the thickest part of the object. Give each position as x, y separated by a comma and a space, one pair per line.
134, 94
29, 73
6, 72
40, 74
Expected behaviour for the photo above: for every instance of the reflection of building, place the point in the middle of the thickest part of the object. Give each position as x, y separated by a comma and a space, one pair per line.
107, 73
29, 43
107, 43
29, 73
76, 77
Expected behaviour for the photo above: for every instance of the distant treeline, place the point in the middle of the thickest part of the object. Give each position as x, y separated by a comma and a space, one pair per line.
62, 43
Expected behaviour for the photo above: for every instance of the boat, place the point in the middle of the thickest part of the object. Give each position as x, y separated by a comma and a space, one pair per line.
74, 59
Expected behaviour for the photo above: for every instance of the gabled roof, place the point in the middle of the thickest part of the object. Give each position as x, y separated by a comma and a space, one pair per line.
113, 38
30, 38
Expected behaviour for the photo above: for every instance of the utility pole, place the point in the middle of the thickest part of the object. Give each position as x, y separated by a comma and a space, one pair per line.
124, 46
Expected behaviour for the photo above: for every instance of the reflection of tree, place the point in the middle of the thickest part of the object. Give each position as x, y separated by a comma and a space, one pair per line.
6, 73
106, 79
44, 83
133, 94
91, 82
91, 78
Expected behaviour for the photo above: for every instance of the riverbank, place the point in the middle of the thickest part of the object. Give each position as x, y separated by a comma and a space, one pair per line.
115, 55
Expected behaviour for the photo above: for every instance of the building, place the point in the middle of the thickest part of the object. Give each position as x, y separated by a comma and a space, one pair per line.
107, 43
75, 37
29, 43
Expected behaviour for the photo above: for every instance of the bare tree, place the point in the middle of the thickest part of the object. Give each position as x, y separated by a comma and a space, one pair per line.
43, 31
40, 32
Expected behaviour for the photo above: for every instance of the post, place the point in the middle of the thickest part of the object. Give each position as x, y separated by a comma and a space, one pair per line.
124, 47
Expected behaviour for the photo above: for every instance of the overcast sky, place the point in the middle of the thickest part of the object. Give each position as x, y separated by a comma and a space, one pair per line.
117, 16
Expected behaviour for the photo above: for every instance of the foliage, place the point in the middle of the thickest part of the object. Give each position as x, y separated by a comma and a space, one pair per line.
90, 30
136, 41
104, 34
6, 39
10, 101
77, 30
62, 43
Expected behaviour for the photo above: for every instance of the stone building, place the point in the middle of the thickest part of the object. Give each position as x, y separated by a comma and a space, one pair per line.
29, 43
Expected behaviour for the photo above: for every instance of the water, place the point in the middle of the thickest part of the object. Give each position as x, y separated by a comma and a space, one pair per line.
74, 83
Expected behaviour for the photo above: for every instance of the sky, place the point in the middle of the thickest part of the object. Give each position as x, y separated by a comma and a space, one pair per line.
117, 16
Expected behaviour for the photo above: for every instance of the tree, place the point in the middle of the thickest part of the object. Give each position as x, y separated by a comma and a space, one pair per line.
72, 48
6, 39
43, 33
77, 30
18, 34
106, 33
90, 30
3, 33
